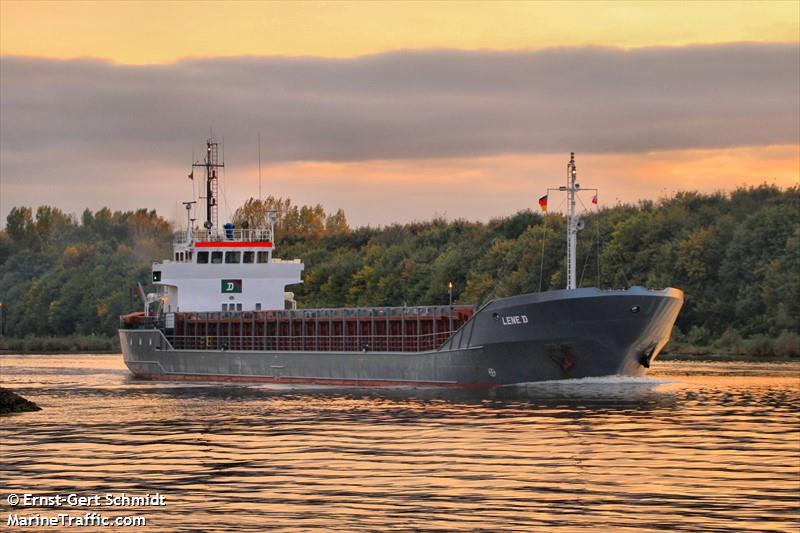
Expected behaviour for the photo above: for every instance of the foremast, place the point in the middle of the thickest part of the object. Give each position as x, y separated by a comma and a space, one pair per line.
574, 222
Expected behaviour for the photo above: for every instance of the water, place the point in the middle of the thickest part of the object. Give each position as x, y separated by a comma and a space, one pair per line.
693, 447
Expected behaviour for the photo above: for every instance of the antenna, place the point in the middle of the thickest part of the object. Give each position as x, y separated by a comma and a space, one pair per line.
259, 166
196, 194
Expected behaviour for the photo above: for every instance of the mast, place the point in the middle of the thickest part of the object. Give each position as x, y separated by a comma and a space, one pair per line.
572, 222
211, 165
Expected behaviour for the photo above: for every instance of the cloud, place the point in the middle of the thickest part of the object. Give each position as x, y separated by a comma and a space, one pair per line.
73, 123
483, 187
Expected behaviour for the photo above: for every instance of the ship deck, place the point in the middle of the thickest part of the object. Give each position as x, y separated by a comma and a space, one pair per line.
387, 329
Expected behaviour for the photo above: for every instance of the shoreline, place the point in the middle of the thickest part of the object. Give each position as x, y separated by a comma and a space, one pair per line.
48, 344
723, 357
59, 352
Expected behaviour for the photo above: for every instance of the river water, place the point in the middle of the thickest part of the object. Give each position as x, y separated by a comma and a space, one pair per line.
693, 447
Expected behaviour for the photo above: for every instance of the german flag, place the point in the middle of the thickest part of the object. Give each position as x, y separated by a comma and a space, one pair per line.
543, 202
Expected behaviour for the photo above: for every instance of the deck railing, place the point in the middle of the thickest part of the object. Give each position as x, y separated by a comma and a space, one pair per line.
236, 234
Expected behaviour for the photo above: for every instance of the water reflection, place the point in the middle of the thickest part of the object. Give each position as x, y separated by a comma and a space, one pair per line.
693, 447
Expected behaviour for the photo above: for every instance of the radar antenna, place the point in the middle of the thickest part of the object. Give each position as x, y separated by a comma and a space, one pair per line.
189, 220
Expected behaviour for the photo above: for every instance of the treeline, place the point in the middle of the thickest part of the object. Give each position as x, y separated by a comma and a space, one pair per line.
63, 276
290, 219
736, 255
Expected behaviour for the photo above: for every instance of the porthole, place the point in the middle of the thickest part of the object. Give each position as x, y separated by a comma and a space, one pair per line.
635, 309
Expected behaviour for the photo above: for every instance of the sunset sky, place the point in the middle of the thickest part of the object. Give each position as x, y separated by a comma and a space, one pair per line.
394, 111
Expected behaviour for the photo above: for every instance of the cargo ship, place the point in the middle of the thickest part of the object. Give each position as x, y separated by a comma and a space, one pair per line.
222, 312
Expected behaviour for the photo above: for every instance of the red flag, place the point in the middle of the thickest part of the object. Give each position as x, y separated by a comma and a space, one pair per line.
594, 200
543, 202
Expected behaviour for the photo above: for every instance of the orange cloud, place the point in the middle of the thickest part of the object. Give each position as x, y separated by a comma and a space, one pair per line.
381, 192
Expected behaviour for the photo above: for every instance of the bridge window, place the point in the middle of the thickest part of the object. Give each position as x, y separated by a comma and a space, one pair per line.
177, 255
202, 257
233, 257
238, 307
248, 257
258, 306
224, 307
216, 257
263, 257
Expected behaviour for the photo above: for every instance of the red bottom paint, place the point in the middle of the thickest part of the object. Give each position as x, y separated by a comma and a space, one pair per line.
311, 381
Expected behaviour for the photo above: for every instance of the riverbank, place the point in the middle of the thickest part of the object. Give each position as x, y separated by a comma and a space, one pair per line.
731, 343
67, 344
725, 357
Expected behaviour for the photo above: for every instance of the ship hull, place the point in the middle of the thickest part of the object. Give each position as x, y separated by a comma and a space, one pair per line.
527, 338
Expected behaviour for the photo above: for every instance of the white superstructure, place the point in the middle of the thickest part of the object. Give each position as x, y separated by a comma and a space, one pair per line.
231, 269
225, 275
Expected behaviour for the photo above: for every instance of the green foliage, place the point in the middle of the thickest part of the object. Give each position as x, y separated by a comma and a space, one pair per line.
72, 343
787, 344
736, 256
61, 278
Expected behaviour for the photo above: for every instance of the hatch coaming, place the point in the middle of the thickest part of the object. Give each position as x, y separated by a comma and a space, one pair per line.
383, 329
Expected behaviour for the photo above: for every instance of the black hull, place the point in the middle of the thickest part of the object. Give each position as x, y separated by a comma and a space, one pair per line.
527, 338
